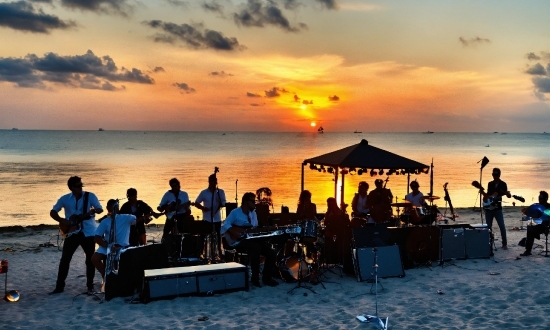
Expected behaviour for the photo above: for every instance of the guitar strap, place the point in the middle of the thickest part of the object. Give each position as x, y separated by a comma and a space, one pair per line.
85, 203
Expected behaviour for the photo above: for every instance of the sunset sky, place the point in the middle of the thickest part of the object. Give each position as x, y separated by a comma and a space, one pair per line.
275, 65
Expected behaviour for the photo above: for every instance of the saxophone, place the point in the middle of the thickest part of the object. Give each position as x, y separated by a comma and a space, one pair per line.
111, 263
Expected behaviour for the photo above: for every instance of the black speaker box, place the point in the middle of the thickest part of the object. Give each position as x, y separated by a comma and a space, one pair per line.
371, 236
388, 260
478, 243
452, 244
132, 264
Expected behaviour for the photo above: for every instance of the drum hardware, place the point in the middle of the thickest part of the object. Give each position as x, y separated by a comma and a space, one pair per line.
301, 269
310, 230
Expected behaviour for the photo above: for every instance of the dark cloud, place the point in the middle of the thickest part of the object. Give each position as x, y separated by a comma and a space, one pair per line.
23, 16
178, 3
120, 7
42, 1
536, 69
193, 36
532, 57
306, 102
333, 98
292, 4
213, 7
473, 41
80, 71
296, 98
159, 69
252, 94
329, 4
220, 74
275, 92
257, 13
184, 88
255, 104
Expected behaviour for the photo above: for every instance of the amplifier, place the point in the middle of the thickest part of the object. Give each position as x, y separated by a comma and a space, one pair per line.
388, 260
478, 243
210, 279
452, 244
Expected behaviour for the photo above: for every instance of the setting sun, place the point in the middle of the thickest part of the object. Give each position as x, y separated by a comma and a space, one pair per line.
313, 124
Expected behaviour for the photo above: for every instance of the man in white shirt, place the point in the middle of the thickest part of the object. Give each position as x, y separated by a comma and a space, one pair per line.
175, 203
241, 218
212, 199
79, 207
359, 202
102, 235
415, 197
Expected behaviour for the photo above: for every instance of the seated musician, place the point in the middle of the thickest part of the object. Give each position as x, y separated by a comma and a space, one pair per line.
359, 202
238, 221
175, 203
415, 197
535, 231
102, 236
332, 208
142, 212
306, 210
379, 202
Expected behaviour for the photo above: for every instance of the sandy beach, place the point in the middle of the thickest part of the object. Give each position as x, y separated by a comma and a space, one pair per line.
502, 292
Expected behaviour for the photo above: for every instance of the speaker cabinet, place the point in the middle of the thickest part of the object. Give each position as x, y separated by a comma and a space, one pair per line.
372, 236
452, 244
388, 259
478, 243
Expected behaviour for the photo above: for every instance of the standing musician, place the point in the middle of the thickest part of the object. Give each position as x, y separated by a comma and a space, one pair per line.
102, 233
497, 188
306, 210
415, 196
80, 208
142, 212
535, 231
379, 202
239, 220
212, 199
332, 208
359, 202
175, 203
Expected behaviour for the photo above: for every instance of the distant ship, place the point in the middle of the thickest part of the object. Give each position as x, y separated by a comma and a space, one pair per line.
487, 146
495, 132
15, 129
357, 132
321, 129
101, 129
428, 132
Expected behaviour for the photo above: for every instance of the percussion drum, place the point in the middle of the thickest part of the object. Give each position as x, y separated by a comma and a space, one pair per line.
293, 269
310, 230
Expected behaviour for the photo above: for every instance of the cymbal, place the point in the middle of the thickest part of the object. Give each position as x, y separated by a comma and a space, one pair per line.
402, 204
431, 198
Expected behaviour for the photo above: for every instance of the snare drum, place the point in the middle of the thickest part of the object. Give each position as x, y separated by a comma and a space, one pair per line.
310, 230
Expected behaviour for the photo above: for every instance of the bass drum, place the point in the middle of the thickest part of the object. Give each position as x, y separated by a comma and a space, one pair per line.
290, 271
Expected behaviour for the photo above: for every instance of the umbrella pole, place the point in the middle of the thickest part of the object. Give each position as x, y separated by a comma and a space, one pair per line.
408, 182
342, 192
303, 165
335, 182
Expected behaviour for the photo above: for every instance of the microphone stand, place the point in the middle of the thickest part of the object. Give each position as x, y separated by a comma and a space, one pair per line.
380, 322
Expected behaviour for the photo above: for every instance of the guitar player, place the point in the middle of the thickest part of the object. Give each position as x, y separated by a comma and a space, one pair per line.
497, 188
238, 221
80, 218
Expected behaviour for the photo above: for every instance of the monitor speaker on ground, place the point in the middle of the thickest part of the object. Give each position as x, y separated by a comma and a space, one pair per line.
478, 243
388, 261
365, 237
452, 244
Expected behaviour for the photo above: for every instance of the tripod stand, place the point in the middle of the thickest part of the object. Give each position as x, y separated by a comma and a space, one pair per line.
301, 261
381, 322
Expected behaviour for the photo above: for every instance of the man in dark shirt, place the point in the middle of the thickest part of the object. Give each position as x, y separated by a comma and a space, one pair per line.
535, 231
142, 212
495, 190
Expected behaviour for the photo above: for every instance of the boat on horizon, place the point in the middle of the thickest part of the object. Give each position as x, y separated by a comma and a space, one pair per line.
428, 132
321, 130
15, 129
101, 129
356, 132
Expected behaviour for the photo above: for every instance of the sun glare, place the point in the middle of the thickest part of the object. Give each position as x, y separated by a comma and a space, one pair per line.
313, 124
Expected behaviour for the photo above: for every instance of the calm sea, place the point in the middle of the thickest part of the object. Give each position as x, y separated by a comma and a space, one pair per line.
35, 165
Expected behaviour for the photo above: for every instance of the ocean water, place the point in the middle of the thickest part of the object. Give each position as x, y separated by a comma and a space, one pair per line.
35, 165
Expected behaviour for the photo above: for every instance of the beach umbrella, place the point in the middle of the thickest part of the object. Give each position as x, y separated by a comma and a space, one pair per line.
362, 158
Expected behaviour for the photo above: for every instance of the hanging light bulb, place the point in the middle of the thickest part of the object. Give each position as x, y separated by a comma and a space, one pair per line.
360, 171
330, 170
373, 172
381, 172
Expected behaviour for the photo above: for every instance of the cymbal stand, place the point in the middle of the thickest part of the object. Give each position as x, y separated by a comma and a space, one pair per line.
316, 274
380, 322
301, 259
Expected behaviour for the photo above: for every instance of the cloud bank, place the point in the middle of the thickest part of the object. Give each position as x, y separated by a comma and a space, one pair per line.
23, 16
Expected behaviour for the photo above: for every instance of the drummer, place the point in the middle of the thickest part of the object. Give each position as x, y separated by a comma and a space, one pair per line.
415, 197
359, 202
535, 231
306, 209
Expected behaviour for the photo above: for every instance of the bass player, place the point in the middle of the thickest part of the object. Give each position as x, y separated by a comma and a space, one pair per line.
496, 189
79, 227
238, 221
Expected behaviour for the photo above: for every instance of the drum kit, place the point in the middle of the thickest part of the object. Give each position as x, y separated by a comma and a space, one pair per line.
299, 255
416, 215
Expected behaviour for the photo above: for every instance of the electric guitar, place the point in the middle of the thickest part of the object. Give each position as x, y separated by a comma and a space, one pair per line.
75, 225
491, 202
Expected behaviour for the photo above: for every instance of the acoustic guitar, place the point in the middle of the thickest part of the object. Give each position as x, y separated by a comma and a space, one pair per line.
75, 225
